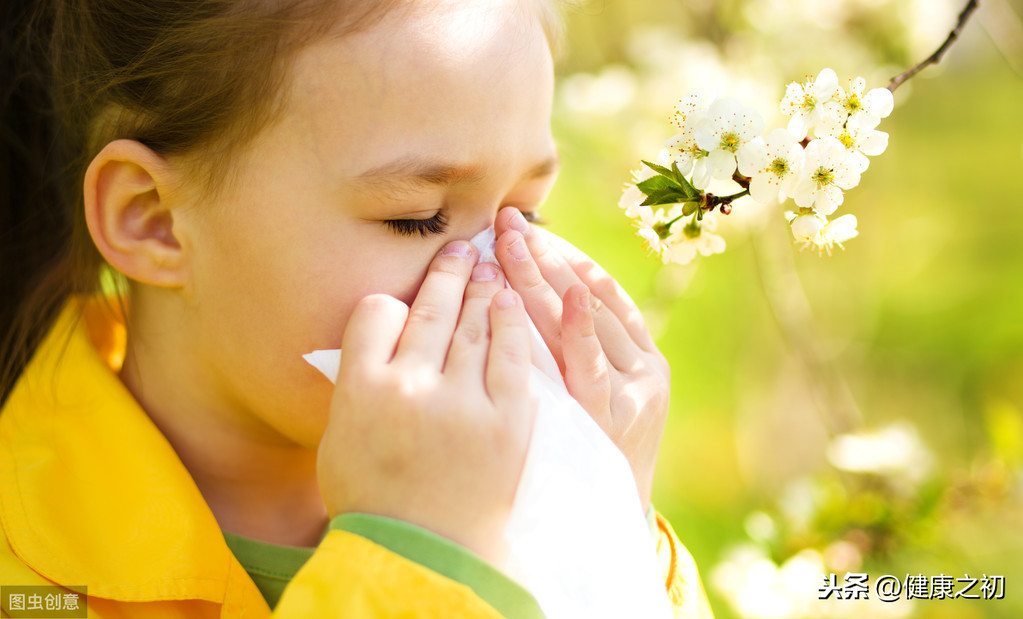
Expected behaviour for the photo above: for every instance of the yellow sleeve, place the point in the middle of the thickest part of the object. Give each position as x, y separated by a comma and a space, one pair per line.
353, 577
688, 599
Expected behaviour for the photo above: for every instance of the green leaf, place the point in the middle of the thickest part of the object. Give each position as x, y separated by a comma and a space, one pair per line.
676, 173
690, 208
655, 183
663, 196
656, 168
683, 183
671, 195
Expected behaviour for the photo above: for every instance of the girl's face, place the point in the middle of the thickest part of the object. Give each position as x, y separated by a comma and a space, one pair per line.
394, 141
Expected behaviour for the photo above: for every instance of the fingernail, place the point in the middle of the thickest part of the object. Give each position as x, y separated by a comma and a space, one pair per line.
504, 299
518, 249
519, 223
462, 249
584, 301
484, 272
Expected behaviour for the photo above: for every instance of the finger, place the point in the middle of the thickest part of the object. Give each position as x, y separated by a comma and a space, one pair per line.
554, 268
508, 360
605, 288
372, 332
586, 368
468, 354
541, 301
434, 313
618, 343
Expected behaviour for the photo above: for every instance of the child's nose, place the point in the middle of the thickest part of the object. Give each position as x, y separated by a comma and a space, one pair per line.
485, 219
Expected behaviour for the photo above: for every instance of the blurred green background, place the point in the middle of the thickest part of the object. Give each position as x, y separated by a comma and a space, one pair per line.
859, 413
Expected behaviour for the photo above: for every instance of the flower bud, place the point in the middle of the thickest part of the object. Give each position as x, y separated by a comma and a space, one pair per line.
805, 228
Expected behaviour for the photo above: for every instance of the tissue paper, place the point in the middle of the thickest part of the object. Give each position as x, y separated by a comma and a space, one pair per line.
577, 536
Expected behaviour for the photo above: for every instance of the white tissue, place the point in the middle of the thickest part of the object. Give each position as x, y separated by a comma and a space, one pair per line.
577, 536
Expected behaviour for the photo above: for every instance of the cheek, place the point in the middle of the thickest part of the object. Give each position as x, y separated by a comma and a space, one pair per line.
260, 300
269, 297
335, 287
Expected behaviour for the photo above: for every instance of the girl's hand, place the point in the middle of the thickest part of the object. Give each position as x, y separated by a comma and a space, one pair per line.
430, 419
597, 335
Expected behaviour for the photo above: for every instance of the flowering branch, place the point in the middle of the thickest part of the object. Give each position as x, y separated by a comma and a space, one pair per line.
723, 203
935, 58
821, 154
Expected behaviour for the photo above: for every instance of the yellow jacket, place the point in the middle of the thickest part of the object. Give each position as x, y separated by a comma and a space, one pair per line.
92, 494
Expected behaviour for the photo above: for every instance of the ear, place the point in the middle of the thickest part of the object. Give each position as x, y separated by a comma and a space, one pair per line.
129, 215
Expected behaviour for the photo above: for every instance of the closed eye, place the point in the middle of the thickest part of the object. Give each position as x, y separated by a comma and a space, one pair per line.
421, 227
534, 217
438, 224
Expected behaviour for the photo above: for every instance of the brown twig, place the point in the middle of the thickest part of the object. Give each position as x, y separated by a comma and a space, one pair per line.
935, 58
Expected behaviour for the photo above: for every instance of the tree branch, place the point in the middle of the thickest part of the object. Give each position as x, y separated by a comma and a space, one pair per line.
934, 58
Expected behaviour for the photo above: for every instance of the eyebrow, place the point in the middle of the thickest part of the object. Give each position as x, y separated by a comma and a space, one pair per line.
414, 171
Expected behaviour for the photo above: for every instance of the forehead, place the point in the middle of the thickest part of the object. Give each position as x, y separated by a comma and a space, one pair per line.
462, 80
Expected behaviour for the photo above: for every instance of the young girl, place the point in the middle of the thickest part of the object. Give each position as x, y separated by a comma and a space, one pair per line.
273, 178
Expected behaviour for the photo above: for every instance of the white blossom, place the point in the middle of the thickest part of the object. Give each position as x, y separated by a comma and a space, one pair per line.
773, 163
684, 150
823, 152
811, 229
807, 103
868, 109
827, 170
696, 237
860, 140
632, 196
653, 227
723, 130
836, 232
759, 588
896, 451
806, 227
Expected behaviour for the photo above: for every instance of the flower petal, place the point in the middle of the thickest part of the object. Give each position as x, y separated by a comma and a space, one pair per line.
779, 142
847, 173
709, 244
798, 126
804, 191
682, 253
706, 135
879, 102
873, 143
826, 85
701, 173
857, 86
631, 196
752, 156
841, 229
828, 200
806, 227
860, 163
762, 190
722, 164
750, 124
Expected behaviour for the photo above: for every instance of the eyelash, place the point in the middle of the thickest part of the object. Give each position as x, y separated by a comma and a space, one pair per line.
423, 227
438, 224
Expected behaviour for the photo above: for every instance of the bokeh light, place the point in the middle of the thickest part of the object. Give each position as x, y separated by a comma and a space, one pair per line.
858, 413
